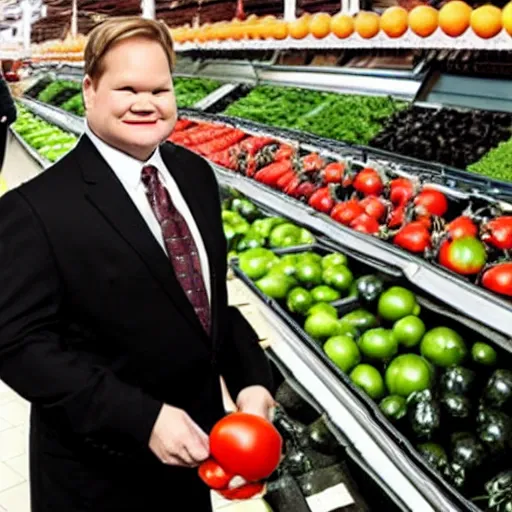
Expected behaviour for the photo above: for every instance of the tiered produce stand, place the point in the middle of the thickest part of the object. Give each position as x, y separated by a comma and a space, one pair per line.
324, 164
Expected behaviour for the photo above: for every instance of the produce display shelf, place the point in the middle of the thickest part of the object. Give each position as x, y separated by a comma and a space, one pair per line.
42, 162
351, 418
438, 39
481, 305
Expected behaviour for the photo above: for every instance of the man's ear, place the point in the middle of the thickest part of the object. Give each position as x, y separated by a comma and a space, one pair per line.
88, 91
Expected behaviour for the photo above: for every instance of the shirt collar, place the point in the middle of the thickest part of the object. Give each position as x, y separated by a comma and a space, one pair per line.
126, 168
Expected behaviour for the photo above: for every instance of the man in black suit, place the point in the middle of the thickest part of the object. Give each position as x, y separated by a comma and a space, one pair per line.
114, 320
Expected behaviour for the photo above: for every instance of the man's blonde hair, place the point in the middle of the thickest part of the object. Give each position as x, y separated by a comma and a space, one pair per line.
103, 37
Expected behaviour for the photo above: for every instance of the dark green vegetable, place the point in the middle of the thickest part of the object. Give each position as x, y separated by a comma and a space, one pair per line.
424, 413
457, 380
434, 454
455, 474
499, 490
295, 405
321, 438
369, 288
467, 451
456, 406
498, 392
494, 429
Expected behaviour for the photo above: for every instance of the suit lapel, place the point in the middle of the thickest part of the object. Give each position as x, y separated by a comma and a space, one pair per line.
108, 195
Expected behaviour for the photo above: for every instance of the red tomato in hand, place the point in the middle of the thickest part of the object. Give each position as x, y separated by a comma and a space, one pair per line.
244, 492
346, 212
246, 445
374, 207
499, 279
465, 256
365, 224
368, 182
460, 227
413, 237
433, 201
498, 232
400, 191
333, 173
214, 475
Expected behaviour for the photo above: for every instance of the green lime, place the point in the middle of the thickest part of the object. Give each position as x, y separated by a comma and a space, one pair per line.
369, 380
324, 293
338, 276
299, 300
323, 307
349, 330
394, 407
408, 373
378, 343
397, 302
443, 347
321, 326
310, 257
275, 286
334, 259
361, 319
343, 352
483, 353
409, 330
309, 273
255, 263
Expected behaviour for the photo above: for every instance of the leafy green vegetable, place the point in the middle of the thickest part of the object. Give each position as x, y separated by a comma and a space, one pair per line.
496, 164
59, 92
189, 91
74, 105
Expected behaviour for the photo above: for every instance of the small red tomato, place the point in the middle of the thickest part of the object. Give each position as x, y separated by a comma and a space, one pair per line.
396, 217
400, 191
246, 445
465, 256
368, 182
347, 211
426, 220
499, 279
498, 232
374, 207
322, 200
305, 190
313, 162
460, 227
244, 492
365, 224
213, 475
413, 237
433, 201
333, 173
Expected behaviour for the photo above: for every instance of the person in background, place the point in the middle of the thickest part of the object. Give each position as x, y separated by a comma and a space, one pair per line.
7, 116
114, 318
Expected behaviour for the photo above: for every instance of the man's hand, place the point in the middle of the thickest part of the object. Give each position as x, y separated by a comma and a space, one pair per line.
3, 119
256, 400
177, 440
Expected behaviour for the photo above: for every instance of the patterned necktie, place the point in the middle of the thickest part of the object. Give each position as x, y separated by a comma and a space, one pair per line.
181, 248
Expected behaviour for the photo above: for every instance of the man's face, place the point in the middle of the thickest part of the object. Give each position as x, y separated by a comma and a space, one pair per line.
132, 106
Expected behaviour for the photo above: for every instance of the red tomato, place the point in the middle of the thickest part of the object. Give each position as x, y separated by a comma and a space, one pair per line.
246, 445
400, 191
322, 200
465, 256
413, 237
460, 227
346, 212
243, 493
312, 162
305, 190
213, 475
368, 182
374, 207
333, 173
498, 232
433, 201
426, 220
365, 224
499, 279
397, 217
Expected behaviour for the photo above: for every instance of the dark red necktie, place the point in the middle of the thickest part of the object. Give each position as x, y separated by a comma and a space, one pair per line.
181, 248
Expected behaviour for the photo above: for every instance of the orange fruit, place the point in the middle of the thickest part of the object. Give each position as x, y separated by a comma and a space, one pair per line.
454, 18
278, 30
299, 28
367, 24
394, 21
486, 21
342, 25
506, 17
320, 25
423, 20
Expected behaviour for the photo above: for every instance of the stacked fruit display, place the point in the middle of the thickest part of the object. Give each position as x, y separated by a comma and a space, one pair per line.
454, 19
468, 237
48, 140
70, 49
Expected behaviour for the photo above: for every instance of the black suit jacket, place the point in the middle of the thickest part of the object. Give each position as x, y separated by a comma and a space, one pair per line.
95, 329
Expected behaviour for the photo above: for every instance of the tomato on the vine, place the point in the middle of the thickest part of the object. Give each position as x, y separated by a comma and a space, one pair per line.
400, 191
413, 237
374, 207
432, 201
347, 211
368, 182
397, 217
322, 200
465, 256
498, 232
333, 173
461, 227
365, 223
499, 278
312, 162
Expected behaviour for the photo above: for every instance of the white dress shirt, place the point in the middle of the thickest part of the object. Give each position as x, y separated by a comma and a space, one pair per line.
129, 171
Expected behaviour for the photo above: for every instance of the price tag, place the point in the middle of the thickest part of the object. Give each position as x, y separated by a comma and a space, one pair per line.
330, 499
